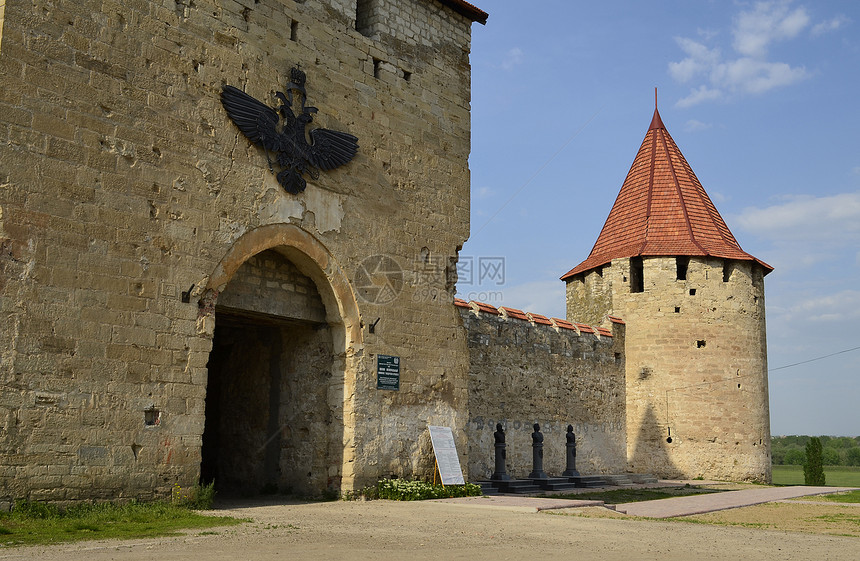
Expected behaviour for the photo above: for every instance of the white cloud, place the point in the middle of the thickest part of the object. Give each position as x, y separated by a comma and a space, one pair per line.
839, 306
715, 77
835, 218
699, 60
765, 23
830, 25
702, 93
485, 192
514, 57
755, 76
693, 125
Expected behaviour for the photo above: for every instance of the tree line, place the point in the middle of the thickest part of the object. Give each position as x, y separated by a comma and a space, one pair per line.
835, 450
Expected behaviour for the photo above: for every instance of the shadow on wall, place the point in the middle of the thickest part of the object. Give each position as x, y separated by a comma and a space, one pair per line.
651, 453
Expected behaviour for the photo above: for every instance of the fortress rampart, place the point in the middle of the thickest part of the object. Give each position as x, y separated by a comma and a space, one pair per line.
526, 369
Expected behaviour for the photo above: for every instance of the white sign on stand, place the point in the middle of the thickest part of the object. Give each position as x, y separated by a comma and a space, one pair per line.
446, 455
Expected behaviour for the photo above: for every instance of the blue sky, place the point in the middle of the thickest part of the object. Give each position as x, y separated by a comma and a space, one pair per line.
763, 99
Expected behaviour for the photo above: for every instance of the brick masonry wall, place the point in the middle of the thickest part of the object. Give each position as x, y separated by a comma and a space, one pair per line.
696, 365
269, 283
523, 373
123, 184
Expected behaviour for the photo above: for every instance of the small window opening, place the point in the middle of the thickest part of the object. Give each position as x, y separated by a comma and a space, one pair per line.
728, 267
677, 309
151, 417
700, 344
681, 266
637, 280
376, 64
407, 75
364, 11
294, 31
692, 292
618, 358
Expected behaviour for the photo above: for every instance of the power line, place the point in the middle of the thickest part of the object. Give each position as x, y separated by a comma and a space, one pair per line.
814, 359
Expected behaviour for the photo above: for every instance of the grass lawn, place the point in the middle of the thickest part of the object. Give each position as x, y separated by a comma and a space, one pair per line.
39, 523
836, 476
619, 496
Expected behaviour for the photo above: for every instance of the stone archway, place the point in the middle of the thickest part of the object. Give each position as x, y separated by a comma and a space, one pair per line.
281, 372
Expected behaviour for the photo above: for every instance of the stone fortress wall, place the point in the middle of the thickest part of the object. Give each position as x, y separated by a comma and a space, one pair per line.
128, 200
696, 363
526, 369
168, 311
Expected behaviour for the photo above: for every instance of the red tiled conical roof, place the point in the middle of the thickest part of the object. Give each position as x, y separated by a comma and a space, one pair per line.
662, 209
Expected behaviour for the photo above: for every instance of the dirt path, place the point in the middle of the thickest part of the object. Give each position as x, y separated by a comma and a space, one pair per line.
389, 531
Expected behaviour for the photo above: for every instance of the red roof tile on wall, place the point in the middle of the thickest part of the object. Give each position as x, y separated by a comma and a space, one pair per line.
614, 319
461, 303
662, 209
563, 324
486, 308
539, 319
471, 11
513, 313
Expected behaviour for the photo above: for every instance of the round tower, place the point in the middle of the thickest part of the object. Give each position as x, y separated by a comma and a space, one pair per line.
693, 301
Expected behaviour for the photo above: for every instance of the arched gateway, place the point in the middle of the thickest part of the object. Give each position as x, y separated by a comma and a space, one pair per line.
281, 369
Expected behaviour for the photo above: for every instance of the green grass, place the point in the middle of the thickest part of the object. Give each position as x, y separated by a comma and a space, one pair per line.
619, 496
40, 523
846, 497
835, 476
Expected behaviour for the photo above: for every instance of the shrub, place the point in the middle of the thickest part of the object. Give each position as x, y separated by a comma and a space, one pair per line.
403, 490
199, 497
813, 467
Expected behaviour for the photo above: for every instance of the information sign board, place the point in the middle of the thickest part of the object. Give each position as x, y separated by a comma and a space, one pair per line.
446, 455
387, 372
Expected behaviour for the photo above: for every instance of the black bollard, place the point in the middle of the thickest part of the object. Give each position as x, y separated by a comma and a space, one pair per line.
537, 455
570, 470
501, 454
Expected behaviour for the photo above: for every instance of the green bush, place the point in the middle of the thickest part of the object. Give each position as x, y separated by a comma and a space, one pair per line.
852, 456
813, 467
199, 497
403, 490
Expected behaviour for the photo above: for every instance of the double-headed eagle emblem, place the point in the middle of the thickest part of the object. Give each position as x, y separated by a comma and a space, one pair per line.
294, 154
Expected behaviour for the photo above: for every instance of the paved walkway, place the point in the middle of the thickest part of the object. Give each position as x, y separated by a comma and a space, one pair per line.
698, 504
518, 502
661, 508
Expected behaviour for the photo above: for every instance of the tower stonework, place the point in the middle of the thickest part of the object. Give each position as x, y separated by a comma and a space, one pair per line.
167, 309
693, 302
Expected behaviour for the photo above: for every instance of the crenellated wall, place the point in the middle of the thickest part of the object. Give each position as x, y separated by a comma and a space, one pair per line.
526, 369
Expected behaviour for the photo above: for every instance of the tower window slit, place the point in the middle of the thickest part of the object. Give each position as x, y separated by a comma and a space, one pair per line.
637, 280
